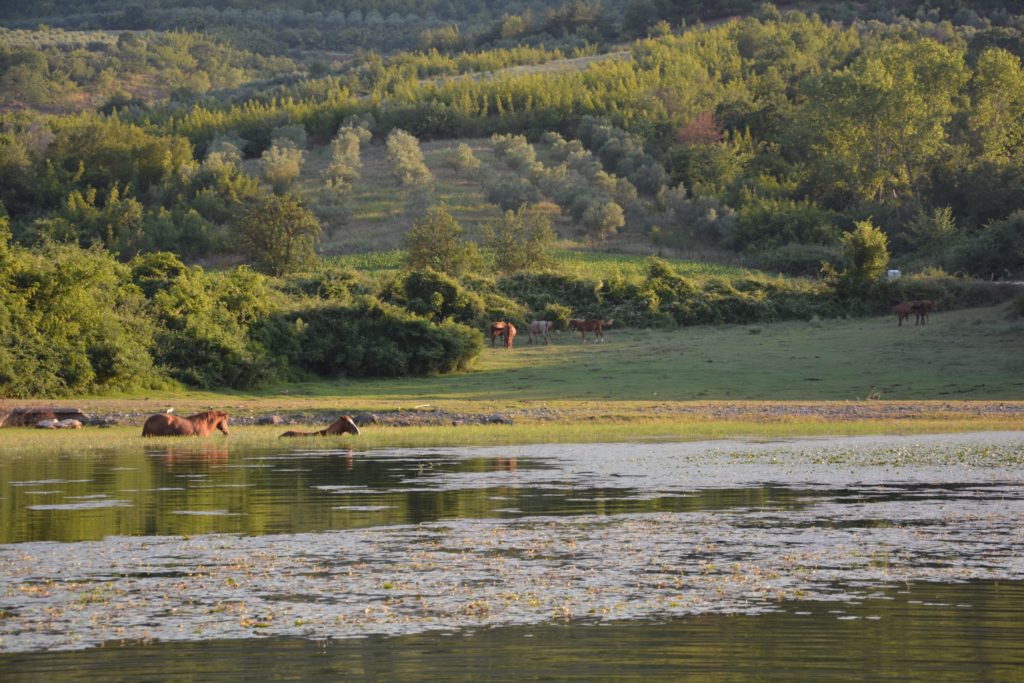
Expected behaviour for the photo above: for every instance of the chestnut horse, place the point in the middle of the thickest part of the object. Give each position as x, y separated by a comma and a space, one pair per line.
200, 424
343, 425
596, 326
922, 308
498, 330
504, 329
919, 308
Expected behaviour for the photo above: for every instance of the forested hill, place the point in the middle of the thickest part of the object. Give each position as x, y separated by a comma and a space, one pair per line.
342, 25
826, 148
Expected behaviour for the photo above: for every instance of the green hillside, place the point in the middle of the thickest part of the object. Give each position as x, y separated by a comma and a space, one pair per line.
190, 199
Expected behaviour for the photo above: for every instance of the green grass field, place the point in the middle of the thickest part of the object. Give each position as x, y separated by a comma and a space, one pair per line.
965, 354
970, 354
667, 384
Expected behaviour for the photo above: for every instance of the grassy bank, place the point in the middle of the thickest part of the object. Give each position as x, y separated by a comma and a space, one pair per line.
796, 378
28, 442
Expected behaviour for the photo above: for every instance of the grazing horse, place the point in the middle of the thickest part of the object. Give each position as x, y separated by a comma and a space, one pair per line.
200, 424
596, 326
343, 425
539, 329
510, 334
902, 309
498, 330
922, 308
919, 308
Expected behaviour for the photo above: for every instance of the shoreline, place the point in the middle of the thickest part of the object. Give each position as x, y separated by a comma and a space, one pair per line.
294, 411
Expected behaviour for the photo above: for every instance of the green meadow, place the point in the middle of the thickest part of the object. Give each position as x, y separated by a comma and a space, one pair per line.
644, 384
967, 354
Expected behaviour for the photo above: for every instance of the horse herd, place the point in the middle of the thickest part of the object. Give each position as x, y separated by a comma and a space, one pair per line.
920, 308
540, 329
204, 424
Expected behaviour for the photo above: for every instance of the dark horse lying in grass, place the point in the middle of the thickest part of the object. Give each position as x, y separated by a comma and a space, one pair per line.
343, 425
200, 424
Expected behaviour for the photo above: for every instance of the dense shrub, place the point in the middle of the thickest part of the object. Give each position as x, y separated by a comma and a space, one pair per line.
370, 338
439, 297
71, 322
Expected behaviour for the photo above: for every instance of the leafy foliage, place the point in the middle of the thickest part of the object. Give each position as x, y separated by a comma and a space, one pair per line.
278, 234
435, 242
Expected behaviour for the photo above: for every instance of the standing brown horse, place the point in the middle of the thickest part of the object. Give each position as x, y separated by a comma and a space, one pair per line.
200, 424
343, 425
922, 307
498, 330
596, 326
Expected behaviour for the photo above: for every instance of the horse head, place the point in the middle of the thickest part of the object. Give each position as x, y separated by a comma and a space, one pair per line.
220, 421
343, 425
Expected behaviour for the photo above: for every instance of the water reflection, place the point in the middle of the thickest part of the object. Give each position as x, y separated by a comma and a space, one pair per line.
933, 632
195, 544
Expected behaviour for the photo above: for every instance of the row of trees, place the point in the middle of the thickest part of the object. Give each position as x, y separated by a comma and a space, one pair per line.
58, 70
766, 136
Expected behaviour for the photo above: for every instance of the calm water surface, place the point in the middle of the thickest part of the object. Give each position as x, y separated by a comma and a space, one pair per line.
901, 557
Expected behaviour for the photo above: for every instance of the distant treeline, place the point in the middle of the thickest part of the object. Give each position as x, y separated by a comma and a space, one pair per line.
774, 136
75, 320
277, 25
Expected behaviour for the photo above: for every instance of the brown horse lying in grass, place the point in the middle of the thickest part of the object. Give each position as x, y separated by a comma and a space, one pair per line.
200, 424
596, 326
343, 425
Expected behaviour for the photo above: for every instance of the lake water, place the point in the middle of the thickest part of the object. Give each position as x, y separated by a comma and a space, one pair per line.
897, 558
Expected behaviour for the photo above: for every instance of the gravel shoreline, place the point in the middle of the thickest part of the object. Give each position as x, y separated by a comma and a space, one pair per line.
436, 416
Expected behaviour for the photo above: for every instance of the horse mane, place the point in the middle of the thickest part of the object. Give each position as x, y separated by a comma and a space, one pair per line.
207, 415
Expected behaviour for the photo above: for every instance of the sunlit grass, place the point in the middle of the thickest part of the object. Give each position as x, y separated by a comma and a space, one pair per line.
24, 442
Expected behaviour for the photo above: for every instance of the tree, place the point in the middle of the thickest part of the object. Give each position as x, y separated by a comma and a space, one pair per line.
521, 239
462, 159
345, 157
996, 121
278, 234
281, 166
603, 219
876, 127
865, 257
435, 241
406, 156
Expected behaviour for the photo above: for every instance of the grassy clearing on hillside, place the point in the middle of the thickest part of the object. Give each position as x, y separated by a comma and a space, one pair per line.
590, 264
381, 210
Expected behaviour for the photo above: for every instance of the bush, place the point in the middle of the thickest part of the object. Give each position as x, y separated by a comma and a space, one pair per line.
1017, 307
371, 339
72, 322
406, 157
439, 297
435, 242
